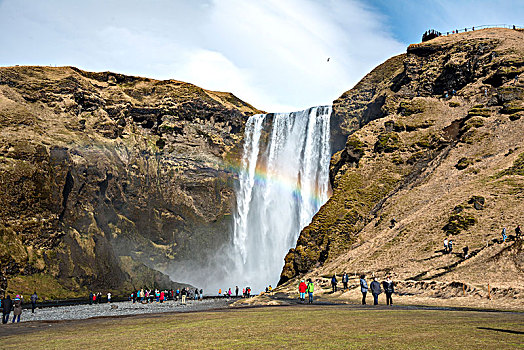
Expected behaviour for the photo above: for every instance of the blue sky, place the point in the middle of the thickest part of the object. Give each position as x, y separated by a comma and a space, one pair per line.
271, 53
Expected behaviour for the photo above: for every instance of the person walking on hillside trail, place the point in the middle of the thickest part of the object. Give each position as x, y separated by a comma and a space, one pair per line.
363, 288
310, 289
518, 233
389, 289
504, 237
375, 290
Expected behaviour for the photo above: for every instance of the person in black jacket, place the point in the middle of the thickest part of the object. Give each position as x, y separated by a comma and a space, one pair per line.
389, 289
7, 306
375, 290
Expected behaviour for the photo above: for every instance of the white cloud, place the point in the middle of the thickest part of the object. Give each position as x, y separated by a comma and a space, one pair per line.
273, 54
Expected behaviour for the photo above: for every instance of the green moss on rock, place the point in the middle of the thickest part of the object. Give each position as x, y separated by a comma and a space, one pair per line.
387, 143
407, 108
463, 163
481, 112
459, 222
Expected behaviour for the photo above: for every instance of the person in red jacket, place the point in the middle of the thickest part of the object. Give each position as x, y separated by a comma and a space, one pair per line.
302, 290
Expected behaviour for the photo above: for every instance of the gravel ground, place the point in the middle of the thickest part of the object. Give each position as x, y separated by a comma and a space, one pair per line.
77, 312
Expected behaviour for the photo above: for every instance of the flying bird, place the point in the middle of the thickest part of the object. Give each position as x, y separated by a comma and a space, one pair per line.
329, 59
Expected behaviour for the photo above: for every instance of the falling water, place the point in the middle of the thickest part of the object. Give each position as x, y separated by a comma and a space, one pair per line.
283, 182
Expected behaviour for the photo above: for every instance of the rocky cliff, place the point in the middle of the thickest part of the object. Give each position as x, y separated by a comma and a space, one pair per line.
103, 176
435, 150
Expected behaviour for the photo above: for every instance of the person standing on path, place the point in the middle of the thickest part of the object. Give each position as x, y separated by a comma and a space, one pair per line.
446, 246
504, 235
363, 288
345, 279
184, 294
310, 289
302, 290
236, 291
518, 232
17, 307
108, 297
450, 246
34, 298
389, 289
334, 283
7, 306
375, 290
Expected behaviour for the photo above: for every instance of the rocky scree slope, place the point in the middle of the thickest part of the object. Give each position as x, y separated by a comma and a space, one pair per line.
103, 176
418, 167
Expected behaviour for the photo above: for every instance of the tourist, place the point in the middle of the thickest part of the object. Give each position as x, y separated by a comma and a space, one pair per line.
196, 293
184, 294
220, 292
17, 307
389, 289
450, 246
504, 235
94, 298
236, 291
7, 305
334, 283
177, 293
363, 288
270, 288
345, 279
202, 294
446, 245
229, 293
465, 251
375, 290
162, 297
33, 298
108, 297
518, 232
310, 289
90, 298
243, 292
302, 290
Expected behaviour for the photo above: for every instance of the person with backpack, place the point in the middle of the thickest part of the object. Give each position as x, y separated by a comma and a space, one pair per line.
450, 246
302, 287
389, 289
17, 308
310, 289
334, 283
363, 288
446, 245
504, 235
375, 290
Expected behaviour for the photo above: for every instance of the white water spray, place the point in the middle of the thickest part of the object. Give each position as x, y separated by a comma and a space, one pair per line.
283, 182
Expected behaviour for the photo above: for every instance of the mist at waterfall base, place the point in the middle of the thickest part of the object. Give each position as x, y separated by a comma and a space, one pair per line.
283, 180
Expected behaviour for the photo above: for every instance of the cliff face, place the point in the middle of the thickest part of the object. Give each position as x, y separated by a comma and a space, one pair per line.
419, 166
104, 175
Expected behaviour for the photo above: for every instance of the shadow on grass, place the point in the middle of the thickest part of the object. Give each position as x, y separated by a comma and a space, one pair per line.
501, 330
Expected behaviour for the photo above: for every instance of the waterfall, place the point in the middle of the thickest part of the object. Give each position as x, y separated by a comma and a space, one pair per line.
284, 179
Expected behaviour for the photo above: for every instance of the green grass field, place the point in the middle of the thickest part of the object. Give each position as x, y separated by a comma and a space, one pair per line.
296, 327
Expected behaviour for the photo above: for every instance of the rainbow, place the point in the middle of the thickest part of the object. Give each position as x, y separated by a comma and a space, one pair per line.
287, 184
